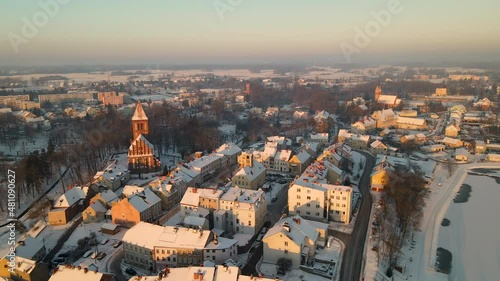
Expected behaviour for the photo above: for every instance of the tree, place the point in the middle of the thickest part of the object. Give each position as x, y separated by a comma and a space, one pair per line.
284, 264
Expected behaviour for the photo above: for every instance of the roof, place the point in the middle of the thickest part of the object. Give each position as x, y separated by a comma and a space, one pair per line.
410, 121
129, 190
377, 143
109, 196
283, 155
71, 197
65, 273
243, 195
388, 99
140, 137
192, 220
166, 236
139, 113
144, 200
303, 156
193, 194
252, 172
228, 149
98, 207
299, 230
187, 274
222, 243
204, 161
29, 247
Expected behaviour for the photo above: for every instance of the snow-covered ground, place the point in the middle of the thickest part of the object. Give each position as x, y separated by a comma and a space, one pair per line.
24, 145
269, 270
481, 226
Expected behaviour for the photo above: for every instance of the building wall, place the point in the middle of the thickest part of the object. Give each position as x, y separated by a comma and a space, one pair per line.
219, 256
90, 216
138, 256
340, 205
124, 214
307, 202
58, 217
280, 246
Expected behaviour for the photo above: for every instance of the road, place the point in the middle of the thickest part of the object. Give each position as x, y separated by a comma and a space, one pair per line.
115, 266
353, 253
275, 209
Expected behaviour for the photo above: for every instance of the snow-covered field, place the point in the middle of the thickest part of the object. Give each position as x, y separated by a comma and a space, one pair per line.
472, 236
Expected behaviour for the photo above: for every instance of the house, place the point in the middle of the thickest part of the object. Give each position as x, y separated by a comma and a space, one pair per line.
433, 148
190, 176
68, 205
451, 142
378, 147
230, 152
299, 162
452, 131
480, 147
95, 212
140, 206
71, 272
483, 104
241, 211
164, 246
30, 248
23, 270
364, 126
319, 138
169, 190
462, 154
292, 238
207, 165
113, 176
281, 159
107, 198
381, 175
385, 118
408, 123
251, 176
221, 249
493, 157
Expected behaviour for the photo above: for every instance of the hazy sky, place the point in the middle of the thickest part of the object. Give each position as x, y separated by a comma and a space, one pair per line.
194, 31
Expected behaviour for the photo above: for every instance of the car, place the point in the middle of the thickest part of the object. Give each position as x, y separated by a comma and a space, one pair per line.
264, 230
59, 260
63, 255
88, 253
440, 184
130, 271
103, 242
274, 199
94, 255
117, 244
100, 256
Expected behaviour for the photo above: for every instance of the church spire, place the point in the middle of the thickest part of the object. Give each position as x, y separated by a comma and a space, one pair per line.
139, 113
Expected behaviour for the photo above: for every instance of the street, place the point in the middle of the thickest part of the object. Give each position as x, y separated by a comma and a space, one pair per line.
353, 253
275, 209
115, 266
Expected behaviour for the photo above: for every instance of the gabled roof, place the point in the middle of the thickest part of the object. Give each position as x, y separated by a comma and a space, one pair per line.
299, 229
139, 113
143, 200
29, 247
71, 197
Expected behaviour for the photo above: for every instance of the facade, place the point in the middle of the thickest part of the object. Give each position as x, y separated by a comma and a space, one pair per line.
164, 246
141, 154
241, 211
385, 118
24, 270
207, 166
364, 126
452, 131
378, 147
230, 152
68, 205
408, 123
299, 162
141, 206
220, 250
381, 175
252, 176
95, 212
292, 238
169, 190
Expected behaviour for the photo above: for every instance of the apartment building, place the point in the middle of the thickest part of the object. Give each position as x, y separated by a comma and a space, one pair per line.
251, 176
241, 211
164, 246
140, 206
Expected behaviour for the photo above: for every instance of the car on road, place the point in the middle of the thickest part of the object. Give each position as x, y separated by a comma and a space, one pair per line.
264, 230
130, 271
117, 244
100, 256
274, 199
103, 242
94, 255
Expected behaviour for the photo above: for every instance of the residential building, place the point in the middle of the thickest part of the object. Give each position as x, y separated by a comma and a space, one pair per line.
292, 238
95, 212
364, 126
204, 200
385, 118
378, 147
299, 162
207, 165
68, 205
73, 273
319, 138
164, 246
251, 176
221, 249
381, 175
451, 142
241, 211
140, 206
24, 269
31, 248
113, 177
107, 198
452, 131
230, 152
407, 123
169, 190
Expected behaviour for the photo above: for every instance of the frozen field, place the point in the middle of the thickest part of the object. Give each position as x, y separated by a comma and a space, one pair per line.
472, 236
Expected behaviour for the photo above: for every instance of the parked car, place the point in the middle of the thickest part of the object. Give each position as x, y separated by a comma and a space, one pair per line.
100, 256
63, 255
264, 230
117, 244
59, 260
130, 271
103, 242
94, 255
88, 253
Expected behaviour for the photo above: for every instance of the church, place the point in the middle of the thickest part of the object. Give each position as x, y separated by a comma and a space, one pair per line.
141, 156
387, 101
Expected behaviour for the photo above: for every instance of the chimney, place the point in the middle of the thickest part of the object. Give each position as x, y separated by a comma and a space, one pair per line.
195, 276
251, 276
85, 270
22, 243
79, 267
298, 221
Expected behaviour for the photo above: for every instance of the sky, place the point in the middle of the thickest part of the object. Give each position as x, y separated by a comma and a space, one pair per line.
247, 31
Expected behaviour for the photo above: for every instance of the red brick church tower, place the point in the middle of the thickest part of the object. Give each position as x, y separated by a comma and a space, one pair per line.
141, 156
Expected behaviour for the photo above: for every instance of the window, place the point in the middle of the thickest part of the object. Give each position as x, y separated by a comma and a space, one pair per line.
297, 204
286, 243
308, 205
298, 196
338, 197
318, 206
308, 213
308, 191
337, 212
298, 189
286, 251
163, 251
308, 197
343, 205
223, 250
344, 198
249, 223
317, 214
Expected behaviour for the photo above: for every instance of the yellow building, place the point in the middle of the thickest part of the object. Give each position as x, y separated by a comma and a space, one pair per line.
23, 269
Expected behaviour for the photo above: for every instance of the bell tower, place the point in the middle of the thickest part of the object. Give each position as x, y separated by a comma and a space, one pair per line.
378, 93
140, 123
